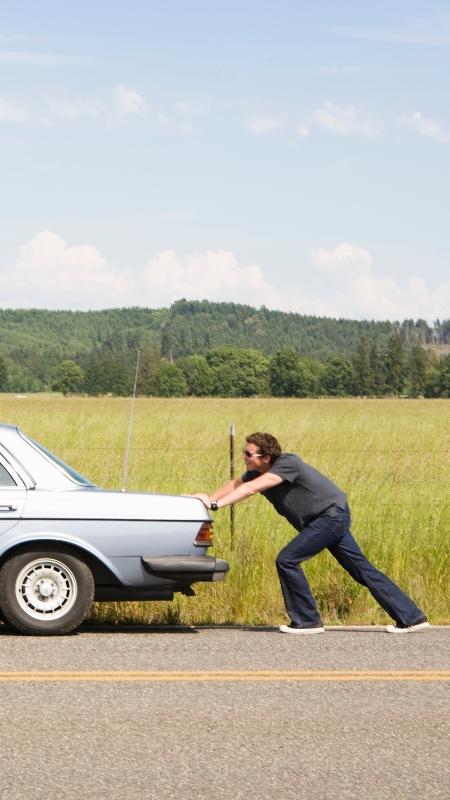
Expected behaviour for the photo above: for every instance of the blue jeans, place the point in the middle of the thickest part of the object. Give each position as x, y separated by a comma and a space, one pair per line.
332, 530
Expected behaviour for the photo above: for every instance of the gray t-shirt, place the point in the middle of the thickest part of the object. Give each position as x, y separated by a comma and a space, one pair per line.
304, 494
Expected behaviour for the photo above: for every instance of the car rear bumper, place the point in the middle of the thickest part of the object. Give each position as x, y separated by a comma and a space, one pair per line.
186, 569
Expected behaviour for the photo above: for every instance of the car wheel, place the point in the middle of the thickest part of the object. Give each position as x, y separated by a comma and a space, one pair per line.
45, 593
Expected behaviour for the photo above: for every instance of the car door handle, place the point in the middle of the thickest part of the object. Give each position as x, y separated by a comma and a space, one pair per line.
8, 508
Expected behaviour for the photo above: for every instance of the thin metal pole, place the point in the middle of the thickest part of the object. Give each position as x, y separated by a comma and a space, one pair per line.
232, 518
130, 426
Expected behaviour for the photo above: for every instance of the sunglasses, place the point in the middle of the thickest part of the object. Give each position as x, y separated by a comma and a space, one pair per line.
251, 455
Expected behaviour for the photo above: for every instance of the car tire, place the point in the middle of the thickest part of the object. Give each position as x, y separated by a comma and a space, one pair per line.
45, 593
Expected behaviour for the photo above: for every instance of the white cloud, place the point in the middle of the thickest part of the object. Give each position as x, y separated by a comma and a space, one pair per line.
261, 125
345, 120
354, 290
424, 127
342, 281
48, 273
344, 257
303, 130
214, 275
10, 112
123, 101
128, 100
50, 251
265, 124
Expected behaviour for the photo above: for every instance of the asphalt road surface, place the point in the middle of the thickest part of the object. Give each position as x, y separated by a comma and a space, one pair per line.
225, 713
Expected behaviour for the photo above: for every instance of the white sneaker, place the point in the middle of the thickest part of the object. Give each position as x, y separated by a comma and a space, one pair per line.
420, 626
294, 629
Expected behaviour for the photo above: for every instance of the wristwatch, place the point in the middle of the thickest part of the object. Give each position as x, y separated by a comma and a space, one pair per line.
213, 505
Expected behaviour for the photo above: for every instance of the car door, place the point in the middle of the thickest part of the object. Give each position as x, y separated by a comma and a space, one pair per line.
12, 496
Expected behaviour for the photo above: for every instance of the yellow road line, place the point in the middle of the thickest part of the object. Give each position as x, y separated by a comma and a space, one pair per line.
249, 676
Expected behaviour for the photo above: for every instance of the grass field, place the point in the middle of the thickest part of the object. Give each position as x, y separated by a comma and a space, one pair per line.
390, 456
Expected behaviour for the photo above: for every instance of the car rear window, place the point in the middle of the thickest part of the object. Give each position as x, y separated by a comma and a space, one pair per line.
76, 476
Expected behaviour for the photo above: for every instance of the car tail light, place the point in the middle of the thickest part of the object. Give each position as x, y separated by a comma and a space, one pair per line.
204, 537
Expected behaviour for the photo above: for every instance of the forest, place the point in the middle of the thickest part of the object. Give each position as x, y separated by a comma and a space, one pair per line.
201, 348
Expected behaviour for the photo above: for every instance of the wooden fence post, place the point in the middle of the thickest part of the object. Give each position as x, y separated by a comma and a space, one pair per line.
232, 517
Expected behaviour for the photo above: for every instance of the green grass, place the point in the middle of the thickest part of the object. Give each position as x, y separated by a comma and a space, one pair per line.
390, 456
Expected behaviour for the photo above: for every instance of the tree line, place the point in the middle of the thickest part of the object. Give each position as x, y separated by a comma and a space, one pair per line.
203, 349
243, 372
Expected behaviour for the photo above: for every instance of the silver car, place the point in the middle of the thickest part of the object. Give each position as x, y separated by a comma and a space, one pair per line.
64, 542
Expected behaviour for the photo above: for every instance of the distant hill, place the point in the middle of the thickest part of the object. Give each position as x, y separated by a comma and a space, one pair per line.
33, 342
196, 326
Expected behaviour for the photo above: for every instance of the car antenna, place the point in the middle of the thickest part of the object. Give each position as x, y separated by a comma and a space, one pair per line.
130, 427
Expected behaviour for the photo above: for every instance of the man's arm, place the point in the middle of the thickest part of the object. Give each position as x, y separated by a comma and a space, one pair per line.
238, 492
222, 491
228, 487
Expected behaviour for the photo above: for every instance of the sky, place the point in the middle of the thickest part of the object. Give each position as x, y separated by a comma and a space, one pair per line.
287, 153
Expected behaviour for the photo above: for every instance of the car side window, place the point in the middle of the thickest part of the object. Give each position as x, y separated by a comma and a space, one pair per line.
5, 477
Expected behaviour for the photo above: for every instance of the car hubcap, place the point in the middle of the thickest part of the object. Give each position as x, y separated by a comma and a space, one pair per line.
46, 589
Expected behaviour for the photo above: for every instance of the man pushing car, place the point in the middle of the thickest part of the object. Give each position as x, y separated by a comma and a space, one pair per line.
318, 509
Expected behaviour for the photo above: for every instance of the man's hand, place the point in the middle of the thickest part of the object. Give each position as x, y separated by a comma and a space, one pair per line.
203, 497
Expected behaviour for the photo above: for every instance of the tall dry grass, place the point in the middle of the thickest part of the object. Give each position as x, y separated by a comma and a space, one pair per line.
390, 456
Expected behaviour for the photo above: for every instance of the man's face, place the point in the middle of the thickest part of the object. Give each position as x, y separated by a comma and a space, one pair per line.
253, 457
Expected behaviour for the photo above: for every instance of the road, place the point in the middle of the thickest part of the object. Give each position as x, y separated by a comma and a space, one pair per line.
225, 713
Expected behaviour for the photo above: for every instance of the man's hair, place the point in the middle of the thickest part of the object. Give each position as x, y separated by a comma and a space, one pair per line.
266, 444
